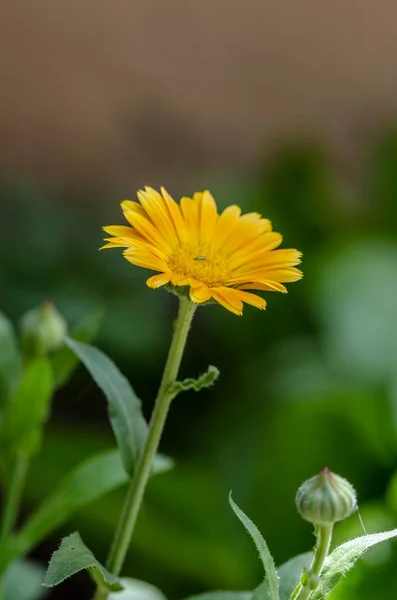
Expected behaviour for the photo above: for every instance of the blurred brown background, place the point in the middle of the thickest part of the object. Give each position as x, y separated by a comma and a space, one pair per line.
109, 89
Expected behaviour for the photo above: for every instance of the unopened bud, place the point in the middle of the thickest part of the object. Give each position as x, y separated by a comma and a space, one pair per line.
43, 329
326, 498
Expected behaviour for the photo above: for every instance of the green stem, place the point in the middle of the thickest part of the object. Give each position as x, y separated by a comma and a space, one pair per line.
133, 501
310, 582
12, 502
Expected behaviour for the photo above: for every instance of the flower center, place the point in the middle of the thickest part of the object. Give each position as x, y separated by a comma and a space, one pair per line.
200, 263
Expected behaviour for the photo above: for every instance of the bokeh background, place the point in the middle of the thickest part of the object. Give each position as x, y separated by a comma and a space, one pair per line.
285, 108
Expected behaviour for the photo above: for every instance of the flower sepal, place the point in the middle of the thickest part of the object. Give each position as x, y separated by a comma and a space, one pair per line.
183, 291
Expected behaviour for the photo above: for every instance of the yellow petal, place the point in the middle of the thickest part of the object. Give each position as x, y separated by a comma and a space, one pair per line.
225, 226
200, 294
248, 229
228, 298
176, 216
157, 281
124, 236
195, 282
145, 259
180, 279
208, 218
116, 242
190, 213
197, 198
131, 206
268, 286
120, 231
282, 275
287, 256
156, 208
286, 275
258, 249
113, 243
146, 228
265, 263
142, 244
252, 299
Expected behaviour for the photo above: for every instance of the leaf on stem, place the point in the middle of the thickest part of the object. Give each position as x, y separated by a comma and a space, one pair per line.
87, 482
72, 557
135, 589
289, 575
271, 576
343, 559
128, 423
222, 595
204, 381
64, 361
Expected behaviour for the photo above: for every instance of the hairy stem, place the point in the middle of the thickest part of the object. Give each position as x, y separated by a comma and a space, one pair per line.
133, 500
311, 579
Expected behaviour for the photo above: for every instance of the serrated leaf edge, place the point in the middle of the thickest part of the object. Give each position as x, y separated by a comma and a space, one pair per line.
86, 568
271, 575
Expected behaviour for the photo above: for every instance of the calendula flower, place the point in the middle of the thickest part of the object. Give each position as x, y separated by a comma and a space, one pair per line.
216, 257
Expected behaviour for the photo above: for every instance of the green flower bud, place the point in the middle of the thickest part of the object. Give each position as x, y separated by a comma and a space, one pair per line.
43, 329
326, 499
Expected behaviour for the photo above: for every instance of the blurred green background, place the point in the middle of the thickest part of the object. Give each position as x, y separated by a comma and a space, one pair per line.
310, 382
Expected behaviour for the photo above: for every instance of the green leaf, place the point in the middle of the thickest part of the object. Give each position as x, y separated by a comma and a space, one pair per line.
204, 381
289, 574
162, 464
180, 516
271, 576
343, 559
10, 361
125, 413
28, 410
90, 480
64, 361
220, 595
72, 557
137, 590
23, 581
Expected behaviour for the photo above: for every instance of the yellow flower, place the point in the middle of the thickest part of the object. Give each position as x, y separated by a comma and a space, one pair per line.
218, 256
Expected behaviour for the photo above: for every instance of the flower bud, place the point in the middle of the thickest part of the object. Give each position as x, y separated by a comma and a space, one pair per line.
326, 499
43, 330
